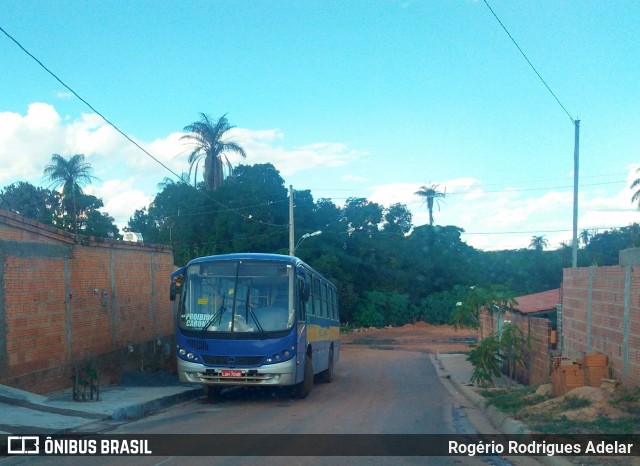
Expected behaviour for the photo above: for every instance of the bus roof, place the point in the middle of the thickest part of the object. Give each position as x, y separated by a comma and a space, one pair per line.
248, 256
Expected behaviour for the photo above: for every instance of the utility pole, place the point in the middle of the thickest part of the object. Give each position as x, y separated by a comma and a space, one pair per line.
292, 246
576, 164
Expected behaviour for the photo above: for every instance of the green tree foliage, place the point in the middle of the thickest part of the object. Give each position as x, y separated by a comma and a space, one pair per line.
636, 186
100, 225
477, 299
538, 243
71, 174
486, 361
514, 345
39, 204
384, 308
387, 271
438, 308
46, 206
495, 352
397, 219
432, 197
210, 146
603, 248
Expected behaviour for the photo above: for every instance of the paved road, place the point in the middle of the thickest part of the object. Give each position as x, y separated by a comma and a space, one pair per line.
374, 392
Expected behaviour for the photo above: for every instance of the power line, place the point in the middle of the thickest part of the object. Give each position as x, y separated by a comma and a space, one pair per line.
501, 183
15, 41
536, 231
528, 61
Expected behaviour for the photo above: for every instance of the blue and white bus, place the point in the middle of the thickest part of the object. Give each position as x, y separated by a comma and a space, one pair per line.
255, 320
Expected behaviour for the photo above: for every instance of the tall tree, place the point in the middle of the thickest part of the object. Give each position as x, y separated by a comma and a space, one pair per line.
432, 197
210, 147
39, 204
636, 185
397, 219
71, 175
585, 236
538, 243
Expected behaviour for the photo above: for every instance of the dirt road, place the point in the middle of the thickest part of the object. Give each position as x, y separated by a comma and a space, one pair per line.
385, 383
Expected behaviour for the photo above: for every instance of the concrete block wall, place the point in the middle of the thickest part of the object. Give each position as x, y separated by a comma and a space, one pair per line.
64, 305
601, 313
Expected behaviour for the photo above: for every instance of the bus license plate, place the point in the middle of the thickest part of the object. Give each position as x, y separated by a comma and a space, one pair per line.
229, 373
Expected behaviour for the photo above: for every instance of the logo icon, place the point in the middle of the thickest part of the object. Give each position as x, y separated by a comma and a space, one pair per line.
23, 445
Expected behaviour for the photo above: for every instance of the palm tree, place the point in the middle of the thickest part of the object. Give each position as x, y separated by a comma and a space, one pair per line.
636, 184
166, 181
585, 236
209, 145
432, 196
71, 175
538, 243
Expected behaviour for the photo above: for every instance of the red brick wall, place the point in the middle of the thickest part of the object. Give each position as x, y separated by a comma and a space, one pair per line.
63, 304
35, 323
537, 330
600, 309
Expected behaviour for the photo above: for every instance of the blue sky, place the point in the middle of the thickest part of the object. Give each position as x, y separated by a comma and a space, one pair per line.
347, 98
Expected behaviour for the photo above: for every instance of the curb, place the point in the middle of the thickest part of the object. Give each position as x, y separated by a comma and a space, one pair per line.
143, 409
497, 418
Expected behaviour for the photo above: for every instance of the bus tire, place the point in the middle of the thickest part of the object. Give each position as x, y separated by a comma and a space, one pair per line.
212, 392
327, 375
305, 387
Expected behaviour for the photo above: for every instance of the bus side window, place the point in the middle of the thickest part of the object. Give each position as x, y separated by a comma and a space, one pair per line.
316, 297
323, 298
332, 303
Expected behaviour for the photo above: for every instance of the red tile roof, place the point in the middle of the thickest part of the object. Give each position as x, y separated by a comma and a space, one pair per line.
539, 302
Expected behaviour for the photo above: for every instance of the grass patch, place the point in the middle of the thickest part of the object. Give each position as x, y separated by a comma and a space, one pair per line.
574, 402
512, 401
547, 424
553, 421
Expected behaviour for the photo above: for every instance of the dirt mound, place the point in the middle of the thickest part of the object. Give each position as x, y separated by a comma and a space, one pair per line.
599, 404
421, 336
423, 324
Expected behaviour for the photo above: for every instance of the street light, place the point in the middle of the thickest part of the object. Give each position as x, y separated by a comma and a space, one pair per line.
305, 236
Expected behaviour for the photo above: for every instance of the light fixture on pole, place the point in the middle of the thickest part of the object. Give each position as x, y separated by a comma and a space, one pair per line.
305, 236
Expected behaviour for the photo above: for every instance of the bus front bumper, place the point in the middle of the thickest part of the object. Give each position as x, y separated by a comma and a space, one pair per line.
283, 374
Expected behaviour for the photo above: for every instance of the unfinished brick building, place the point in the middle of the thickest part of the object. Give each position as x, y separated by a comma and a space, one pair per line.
601, 313
66, 304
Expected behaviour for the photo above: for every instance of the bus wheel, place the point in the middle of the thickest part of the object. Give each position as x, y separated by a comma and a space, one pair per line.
304, 387
212, 392
327, 375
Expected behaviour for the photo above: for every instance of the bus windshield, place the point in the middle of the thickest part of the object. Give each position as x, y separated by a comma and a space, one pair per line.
237, 297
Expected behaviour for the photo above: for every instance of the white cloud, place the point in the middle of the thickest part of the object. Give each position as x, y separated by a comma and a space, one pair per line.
26, 143
354, 179
264, 146
128, 178
121, 198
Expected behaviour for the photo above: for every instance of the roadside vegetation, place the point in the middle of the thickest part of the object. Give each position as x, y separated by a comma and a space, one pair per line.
570, 413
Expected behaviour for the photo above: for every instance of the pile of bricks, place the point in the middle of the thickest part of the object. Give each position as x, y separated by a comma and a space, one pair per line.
588, 371
595, 369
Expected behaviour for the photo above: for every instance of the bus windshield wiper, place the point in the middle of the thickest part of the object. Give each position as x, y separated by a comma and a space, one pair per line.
249, 311
217, 315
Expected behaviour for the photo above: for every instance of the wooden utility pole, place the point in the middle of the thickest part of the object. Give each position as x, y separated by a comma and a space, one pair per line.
576, 165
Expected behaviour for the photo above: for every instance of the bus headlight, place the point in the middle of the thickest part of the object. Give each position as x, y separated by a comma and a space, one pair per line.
281, 356
184, 354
